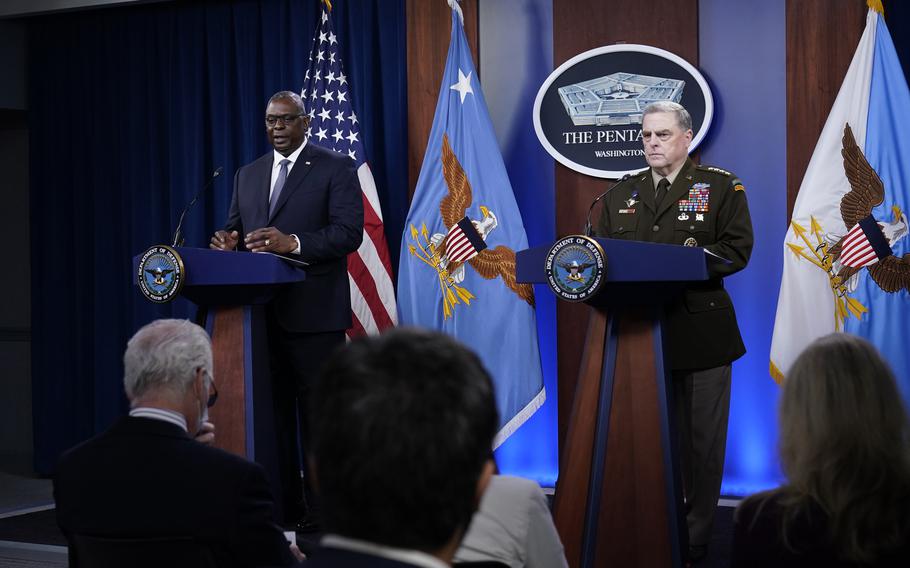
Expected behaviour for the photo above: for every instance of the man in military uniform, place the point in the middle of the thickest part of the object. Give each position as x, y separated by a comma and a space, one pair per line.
678, 202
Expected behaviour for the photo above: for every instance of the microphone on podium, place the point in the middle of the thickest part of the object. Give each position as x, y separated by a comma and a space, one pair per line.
178, 234
589, 229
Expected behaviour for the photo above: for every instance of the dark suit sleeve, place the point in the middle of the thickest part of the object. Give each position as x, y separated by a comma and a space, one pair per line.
234, 222
344, 231
733, 239
259, 541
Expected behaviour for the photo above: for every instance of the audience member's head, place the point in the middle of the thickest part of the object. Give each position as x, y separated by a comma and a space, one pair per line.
168, 364
844, 444
402, 428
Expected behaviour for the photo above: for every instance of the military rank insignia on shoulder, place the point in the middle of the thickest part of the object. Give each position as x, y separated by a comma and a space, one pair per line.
714, 169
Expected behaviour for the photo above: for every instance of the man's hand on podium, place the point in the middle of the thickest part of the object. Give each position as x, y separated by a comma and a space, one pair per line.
222, 240
270, 239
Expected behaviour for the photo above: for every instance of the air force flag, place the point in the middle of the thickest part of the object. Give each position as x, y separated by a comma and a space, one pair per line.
457, 268
846, 261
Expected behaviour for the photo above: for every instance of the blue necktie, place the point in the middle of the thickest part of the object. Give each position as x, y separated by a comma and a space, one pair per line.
279, 185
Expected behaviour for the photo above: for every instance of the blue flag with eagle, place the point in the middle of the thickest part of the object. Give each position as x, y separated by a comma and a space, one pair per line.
847, 253
457, 267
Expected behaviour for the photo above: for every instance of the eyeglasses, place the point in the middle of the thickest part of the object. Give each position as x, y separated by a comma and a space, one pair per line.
213, 398
271, 120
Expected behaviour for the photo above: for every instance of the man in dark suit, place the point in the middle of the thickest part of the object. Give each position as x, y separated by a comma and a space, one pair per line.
677, 202
147, 477
304, 202
401, 442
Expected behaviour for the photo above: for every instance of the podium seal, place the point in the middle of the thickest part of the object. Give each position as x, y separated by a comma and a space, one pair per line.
161, 274
575, 268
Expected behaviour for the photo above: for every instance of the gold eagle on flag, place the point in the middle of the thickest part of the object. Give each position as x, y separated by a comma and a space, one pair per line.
489, 263
867, 191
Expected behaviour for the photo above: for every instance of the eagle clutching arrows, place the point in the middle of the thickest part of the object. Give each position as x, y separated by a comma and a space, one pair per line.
868, 243
159, 274
489, 263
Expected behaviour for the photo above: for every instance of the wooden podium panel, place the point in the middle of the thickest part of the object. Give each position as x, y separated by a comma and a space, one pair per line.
618, 499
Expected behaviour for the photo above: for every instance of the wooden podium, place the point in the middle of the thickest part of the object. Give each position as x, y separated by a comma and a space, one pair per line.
619, 498
230, 289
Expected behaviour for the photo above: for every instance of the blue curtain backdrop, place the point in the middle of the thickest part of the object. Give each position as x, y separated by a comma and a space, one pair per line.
130, 111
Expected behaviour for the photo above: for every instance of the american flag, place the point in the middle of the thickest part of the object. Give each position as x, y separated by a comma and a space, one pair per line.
333, 124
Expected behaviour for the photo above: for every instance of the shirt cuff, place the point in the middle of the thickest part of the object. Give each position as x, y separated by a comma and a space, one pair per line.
296, 250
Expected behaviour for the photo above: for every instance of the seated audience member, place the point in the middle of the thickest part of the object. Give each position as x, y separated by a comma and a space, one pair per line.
401, 443
513, 526
147, 477
844, 448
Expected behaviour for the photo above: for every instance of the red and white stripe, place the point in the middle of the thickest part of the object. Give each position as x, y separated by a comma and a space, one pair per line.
373, 304
458, 247
857, 251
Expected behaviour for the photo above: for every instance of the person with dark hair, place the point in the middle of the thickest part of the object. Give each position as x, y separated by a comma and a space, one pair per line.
304, 202
401, 437
147, 477
845, 449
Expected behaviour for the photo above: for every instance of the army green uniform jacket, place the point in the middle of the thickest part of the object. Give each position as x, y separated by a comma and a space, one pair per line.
705, 207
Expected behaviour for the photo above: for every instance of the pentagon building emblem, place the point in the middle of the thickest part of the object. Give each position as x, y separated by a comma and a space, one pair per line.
575, 268
618, 98
588, 112
161, 274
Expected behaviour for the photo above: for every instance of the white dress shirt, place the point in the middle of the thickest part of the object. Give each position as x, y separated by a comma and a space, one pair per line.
276, 168
174, 418
414, 557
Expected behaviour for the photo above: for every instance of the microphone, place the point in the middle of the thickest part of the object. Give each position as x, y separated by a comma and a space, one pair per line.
178, 234
589, 230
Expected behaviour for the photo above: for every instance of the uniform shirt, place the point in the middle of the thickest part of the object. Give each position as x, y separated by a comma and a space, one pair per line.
704, 207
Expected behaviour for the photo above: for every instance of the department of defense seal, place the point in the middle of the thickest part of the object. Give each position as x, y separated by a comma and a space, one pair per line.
161, 274
575, 268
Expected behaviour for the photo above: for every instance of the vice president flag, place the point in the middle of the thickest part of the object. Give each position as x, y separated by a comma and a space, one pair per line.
846, 261
457, 267
334, 125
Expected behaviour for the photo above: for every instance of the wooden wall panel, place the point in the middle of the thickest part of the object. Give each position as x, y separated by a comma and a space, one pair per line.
580, 25
821, 39
429, 30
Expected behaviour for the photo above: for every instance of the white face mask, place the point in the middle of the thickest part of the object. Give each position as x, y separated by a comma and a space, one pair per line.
204, 405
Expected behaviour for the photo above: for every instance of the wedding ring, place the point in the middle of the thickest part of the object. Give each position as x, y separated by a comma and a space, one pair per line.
267, 242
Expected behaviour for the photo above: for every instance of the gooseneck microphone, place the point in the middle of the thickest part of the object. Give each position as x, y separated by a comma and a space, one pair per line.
178, 234
589, 230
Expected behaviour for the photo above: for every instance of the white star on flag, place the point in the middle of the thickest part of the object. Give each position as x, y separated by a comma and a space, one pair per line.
463, 86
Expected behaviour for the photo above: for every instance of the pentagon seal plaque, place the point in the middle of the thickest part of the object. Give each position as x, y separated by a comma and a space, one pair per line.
161, 274
575, 267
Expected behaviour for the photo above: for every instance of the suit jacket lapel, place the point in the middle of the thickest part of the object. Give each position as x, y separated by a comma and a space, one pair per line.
647, 193
262, 194
301, 169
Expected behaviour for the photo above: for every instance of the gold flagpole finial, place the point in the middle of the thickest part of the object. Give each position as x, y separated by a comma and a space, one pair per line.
328, 4
876, 5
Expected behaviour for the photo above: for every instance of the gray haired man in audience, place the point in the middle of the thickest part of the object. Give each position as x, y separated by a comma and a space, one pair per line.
154, 474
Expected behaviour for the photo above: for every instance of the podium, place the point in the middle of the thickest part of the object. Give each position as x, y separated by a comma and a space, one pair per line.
230, 288
618, 498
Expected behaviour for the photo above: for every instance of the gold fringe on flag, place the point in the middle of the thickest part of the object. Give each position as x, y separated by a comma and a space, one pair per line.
328, 4
876, 5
